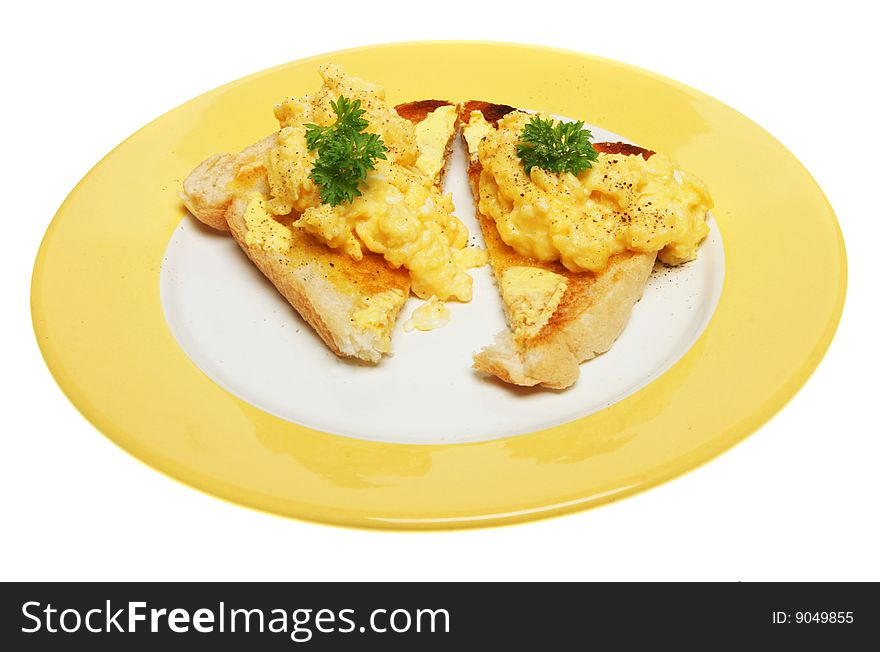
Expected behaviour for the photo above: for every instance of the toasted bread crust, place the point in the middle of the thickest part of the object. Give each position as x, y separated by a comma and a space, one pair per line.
492, 113
323, 285
592, 312
417, 111
623, 148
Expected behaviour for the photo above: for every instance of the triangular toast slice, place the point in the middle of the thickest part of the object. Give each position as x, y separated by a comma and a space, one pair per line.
353, 306
558, 318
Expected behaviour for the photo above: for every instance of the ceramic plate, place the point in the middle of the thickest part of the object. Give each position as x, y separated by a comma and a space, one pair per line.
173, 344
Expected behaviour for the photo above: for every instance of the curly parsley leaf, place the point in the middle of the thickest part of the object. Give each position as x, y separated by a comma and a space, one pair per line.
345, 152
343, 163
556, 146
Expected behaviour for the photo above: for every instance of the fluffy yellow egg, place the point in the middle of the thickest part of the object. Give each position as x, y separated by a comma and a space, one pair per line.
400, 214
621, 203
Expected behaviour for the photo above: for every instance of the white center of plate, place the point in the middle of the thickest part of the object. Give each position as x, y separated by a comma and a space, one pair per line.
242, 333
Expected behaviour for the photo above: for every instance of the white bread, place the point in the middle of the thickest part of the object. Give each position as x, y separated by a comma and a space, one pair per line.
326, 287
591, 313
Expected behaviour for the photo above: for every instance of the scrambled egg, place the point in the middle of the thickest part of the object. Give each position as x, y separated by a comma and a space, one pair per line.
397, 133
621, 203
400, 215
431, 136
428, 316
472, 257
374, 313
476, 129
262, 229
406, 220
531, 295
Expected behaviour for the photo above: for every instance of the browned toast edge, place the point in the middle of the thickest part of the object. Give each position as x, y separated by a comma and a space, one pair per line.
330, 319
594, 308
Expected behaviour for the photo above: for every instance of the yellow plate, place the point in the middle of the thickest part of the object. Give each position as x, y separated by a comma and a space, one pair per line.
101, 328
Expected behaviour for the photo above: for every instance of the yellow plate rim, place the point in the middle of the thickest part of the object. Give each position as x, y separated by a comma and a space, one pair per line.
207, 438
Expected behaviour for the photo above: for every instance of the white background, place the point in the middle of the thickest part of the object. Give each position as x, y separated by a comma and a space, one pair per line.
797, 500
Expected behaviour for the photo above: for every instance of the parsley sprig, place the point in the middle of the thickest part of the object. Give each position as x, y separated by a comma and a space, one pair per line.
556, 146
345, 152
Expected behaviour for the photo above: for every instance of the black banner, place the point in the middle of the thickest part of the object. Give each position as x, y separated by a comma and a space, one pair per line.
289, 616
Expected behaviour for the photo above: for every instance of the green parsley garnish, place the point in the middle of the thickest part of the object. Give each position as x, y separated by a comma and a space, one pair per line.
556, 146
345, 152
